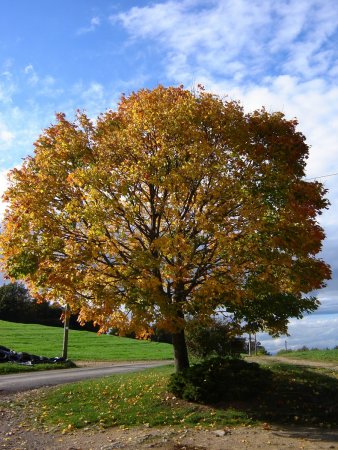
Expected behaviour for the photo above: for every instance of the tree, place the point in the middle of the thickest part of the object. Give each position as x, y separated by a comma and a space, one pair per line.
16, 305
14, 300
172, 206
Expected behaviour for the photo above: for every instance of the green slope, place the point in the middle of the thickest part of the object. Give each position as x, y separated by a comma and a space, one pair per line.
83, 345
312, 355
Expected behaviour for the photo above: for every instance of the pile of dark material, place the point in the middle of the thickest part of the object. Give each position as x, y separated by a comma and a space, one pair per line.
7, 355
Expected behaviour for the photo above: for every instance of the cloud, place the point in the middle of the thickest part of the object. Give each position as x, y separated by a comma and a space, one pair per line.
239, 40
6, 136
29, 100
95, 22
44, 85
312, 331
3, 187
7, 88
33, 78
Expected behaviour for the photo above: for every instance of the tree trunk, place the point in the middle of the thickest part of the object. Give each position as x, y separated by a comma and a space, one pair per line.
180, 351
179, 342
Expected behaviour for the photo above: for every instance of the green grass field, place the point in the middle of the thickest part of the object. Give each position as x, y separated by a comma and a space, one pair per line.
312, 355
83, 345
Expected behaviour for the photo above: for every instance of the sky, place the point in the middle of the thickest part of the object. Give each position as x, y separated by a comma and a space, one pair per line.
83, 54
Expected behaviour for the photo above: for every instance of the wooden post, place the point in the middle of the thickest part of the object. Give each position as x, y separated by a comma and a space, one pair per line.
65, 332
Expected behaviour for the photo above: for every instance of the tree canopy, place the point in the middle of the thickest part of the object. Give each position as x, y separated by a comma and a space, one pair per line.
172, 206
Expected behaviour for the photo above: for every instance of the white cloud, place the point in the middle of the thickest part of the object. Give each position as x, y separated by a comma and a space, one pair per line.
6, 137
33, 78
3, 187
7, 88
44, 85
239, 39
319, 331
94, 23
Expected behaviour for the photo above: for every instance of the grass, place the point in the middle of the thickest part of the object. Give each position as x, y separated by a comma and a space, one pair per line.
312, 355
8, 368
297, 395
126, 400
83, 345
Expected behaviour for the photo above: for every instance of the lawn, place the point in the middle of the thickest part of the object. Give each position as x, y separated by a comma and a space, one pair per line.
83, 345
296, 395
125, 400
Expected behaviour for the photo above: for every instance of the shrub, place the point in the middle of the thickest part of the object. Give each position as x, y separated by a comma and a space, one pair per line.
217, 339
219, 379
303, 349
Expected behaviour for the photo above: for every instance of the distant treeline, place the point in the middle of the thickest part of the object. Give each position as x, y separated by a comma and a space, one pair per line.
16, 305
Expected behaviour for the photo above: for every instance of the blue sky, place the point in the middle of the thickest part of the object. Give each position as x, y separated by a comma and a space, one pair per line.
283, 54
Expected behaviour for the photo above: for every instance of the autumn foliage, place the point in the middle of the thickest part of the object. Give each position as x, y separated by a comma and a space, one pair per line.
172, 206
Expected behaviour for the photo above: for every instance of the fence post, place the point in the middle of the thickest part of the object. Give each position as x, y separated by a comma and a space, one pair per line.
65, 332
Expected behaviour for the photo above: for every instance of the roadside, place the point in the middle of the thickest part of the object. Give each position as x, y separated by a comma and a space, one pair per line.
20, 382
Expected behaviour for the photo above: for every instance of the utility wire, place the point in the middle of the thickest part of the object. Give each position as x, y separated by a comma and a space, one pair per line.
322, 176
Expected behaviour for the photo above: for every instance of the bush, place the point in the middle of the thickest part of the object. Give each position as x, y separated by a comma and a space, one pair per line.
303, 349
219, 379
215, 340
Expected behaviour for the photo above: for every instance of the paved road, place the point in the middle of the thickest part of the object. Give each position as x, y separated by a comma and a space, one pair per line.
26, 381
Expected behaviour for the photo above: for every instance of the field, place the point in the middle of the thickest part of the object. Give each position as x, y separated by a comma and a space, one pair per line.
83, 345
312, 355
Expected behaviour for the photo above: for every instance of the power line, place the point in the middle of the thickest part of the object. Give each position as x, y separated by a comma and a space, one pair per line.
322, 176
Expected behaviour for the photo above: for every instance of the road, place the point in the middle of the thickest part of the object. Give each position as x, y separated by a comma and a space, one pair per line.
25, 381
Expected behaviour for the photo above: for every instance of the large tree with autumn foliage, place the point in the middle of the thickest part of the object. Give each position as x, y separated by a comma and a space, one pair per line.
171, 207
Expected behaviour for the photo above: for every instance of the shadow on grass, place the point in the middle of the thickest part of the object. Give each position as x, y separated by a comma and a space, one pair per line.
295, 395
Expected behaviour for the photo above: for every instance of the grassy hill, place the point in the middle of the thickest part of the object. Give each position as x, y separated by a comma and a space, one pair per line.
311, 355
83, 345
